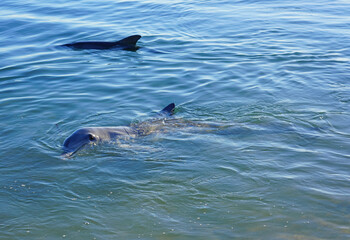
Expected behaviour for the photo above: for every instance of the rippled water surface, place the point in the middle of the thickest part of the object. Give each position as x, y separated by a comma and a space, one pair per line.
277, 72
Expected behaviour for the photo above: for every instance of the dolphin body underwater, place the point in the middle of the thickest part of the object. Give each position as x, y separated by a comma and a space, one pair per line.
128, 43
94, 135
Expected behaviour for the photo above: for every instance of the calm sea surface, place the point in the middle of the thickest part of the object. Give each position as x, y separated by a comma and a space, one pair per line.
276, 71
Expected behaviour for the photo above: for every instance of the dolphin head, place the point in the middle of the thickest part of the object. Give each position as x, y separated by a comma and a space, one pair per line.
78, 140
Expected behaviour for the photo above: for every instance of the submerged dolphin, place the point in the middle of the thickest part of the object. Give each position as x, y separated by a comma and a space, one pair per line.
93, 135
128, 43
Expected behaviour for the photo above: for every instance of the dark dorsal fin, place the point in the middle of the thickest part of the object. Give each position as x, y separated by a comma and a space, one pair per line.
168, 109
129, 41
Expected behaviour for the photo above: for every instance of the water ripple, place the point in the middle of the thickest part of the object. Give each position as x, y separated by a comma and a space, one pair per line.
269, 77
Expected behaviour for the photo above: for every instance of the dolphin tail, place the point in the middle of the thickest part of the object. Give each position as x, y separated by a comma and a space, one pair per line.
169, 110
129, 41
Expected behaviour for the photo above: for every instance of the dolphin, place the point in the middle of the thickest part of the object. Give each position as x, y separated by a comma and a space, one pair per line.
128, 43
94, 135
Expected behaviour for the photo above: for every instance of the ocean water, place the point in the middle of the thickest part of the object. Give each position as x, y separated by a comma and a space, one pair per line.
276, 71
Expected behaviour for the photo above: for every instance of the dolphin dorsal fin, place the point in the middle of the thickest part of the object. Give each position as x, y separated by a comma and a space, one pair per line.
129, 41
168, 109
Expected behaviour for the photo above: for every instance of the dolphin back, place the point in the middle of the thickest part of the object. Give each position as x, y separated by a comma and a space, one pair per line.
128, 43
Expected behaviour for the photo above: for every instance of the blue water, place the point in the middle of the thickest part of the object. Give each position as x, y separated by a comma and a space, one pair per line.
276, 71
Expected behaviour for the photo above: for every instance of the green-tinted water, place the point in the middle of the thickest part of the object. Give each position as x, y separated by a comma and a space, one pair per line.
277, 71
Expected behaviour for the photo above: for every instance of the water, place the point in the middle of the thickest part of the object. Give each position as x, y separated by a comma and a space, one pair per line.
278, 71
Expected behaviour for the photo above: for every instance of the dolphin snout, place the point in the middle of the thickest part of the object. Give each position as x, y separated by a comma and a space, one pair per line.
69, 152
66, 154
